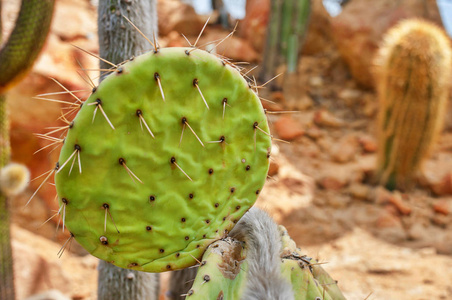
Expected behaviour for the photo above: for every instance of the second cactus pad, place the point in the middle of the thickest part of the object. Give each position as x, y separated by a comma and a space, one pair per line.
168, 152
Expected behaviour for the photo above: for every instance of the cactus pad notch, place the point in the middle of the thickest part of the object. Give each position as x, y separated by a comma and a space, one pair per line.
168, 152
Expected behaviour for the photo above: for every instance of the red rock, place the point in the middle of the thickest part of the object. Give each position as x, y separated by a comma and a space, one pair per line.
368, 143
325, 118
253, 27
440, 185
388, 220
443, 206
314, 132
234, 47
273, 169
174, 15
444, 187
334, 180
175, 39
359, 191
288, 128
401, 205
68, 25
345, 150
319, 32
395, 198
358, 30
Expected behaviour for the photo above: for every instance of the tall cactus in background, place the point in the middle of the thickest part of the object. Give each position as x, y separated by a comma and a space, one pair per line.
16, 58
413, 77
118, 41
285, 36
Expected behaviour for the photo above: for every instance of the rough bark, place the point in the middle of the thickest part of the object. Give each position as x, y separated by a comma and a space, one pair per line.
119, 41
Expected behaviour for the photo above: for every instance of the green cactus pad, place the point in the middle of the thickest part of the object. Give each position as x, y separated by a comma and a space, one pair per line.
309, 280
163, 196
222, 273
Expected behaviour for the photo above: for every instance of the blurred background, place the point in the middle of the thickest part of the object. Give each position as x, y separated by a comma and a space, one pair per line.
378, 243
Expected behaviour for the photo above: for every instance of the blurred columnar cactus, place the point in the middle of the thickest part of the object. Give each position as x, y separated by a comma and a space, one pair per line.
413, 78
286, 33
16, 59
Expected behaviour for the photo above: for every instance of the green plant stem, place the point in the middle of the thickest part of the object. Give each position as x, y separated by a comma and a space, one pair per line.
6, 259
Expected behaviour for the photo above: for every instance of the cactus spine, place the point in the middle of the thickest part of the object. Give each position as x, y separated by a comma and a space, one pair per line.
413, 77
16, 58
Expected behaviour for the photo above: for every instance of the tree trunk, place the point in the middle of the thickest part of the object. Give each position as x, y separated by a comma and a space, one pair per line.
119, 41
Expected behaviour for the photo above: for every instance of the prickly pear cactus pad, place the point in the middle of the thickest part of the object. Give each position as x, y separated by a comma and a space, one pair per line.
168, 152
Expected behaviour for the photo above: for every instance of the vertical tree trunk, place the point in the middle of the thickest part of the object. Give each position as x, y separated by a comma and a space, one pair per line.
119, 41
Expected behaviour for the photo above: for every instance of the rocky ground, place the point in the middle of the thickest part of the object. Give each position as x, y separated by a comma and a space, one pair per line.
377, 244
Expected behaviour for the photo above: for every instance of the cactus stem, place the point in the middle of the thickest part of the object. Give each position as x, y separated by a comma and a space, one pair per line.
49, 173
195, 83
157, 78
173, 161
67, 243
122, 162
139, 113
140, 32
96, 56
98, 104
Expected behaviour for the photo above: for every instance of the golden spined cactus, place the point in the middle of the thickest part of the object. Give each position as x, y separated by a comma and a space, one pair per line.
413, 69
